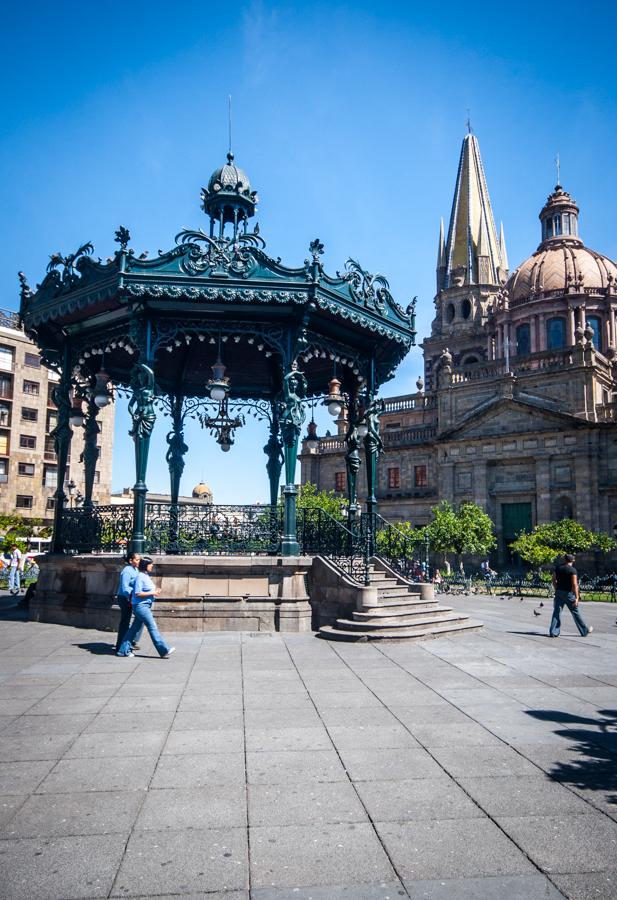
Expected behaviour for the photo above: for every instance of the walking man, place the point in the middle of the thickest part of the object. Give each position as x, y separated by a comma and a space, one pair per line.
565, 582
14, 570
123, 594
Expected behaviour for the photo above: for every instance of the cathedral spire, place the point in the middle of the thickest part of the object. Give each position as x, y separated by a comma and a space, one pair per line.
473, 251
502, 249
441, 258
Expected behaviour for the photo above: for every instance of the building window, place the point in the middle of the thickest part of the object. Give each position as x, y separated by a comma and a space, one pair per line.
33, 360
420, 476
97, 477
4, 473
394, 478
523, 340
596, 323
4, 445
50, 476
466, 309
28, 414
6, 387
27, 441
50, 395
339, 482
5, 416
23, 501
52, 421
6, 359
51, 503
25, 469
31, 387
555, 334
450, 312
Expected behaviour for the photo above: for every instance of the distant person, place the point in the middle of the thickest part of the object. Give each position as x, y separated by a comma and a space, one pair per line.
123, 596
15, 565
437, 578
143, 596
565, 582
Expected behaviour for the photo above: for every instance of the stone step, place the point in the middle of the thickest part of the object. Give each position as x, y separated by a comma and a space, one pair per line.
399, 612
418, 623
394, 590
332, 633
394, 603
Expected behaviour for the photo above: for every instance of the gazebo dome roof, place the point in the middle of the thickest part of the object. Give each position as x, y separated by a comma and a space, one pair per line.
229, 178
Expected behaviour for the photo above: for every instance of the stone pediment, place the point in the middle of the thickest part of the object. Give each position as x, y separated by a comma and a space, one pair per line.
504, 415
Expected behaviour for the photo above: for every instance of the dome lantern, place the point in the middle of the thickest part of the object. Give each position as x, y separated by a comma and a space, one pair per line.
229, 198
559, 217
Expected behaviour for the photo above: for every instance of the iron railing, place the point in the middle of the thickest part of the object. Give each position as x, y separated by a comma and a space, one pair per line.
320, 534
400, 551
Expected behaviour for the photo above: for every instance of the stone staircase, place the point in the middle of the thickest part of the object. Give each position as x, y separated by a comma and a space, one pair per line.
400, 610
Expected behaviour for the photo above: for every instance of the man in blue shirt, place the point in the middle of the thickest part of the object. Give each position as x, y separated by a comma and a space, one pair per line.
123, 595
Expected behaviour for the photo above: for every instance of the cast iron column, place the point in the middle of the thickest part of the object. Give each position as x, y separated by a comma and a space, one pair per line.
175, 460
141, 409
292, 419
62, 435
274, 451
373, 446
352, 460
91, 452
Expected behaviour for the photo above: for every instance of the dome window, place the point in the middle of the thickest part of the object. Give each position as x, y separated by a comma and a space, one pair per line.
596, 323
555, 334
450, 312
466, 309
523, 340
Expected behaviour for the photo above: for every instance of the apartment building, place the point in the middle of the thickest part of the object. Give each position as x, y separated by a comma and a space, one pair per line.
28, 464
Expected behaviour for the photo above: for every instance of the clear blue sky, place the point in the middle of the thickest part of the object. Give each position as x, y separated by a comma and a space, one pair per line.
347, 117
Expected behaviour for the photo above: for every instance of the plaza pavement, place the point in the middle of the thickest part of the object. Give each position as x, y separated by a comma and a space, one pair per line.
274, 767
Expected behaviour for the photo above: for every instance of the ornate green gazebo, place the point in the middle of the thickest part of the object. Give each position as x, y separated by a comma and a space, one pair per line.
210, 328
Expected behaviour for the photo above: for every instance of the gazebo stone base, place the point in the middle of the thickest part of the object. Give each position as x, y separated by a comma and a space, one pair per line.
197, 593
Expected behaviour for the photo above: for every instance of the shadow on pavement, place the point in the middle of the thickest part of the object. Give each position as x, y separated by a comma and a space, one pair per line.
593, 765
98, 648
13, 609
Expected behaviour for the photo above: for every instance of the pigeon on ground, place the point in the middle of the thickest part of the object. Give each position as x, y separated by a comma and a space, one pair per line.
536, 613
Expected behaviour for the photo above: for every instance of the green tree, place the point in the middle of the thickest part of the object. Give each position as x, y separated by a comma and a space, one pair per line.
16, 530
331, 502
466, 530
544, 543
400, 540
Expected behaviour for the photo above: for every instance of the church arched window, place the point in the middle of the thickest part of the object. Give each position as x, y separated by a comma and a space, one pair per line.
450, 312
555, 333
523, 339
466, 308
596, 324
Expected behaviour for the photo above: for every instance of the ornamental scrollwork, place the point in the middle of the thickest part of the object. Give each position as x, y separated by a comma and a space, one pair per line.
68, 278
372, 291
219, 256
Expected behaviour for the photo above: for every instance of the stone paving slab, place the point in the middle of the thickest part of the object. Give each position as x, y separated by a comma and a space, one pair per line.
270, 767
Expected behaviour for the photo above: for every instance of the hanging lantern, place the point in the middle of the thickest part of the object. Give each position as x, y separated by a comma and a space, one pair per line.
219, 383
101, 393
76, 418
334, 401
312, 441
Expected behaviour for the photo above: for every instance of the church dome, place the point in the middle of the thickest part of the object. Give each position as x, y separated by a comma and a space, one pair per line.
561, 261
229, 178
202, 491
560, 266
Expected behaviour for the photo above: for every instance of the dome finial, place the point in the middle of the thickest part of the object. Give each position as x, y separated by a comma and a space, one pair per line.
230, 155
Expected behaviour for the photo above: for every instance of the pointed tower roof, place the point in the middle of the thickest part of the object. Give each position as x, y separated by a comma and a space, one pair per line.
472, 231
502, 248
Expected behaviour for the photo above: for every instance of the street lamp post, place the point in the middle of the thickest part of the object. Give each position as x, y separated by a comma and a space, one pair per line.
427, 548
71, 489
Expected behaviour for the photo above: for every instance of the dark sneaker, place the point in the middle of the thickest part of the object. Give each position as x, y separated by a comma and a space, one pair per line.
169, 652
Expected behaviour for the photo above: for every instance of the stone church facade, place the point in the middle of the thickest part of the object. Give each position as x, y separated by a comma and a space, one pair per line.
516, 409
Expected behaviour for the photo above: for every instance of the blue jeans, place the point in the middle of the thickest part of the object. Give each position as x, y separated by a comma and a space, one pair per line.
142, 613
566, 598
14, 578
125, 620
